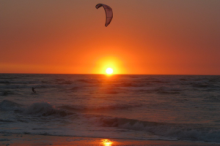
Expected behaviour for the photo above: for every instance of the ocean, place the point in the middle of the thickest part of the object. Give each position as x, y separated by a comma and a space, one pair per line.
141, 107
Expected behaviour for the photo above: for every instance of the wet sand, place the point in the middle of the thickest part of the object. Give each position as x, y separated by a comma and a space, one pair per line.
45, 140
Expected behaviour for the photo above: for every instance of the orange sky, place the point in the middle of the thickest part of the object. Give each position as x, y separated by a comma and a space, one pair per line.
145, 37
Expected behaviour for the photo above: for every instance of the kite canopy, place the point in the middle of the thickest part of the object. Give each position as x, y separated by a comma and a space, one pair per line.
108, 12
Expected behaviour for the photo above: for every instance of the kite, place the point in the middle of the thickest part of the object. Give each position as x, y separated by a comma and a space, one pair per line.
108, 13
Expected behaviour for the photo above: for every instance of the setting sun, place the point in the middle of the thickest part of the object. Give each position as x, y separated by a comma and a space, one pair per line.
109, 71
106, 142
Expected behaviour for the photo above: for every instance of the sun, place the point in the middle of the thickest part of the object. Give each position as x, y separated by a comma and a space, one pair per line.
109, 71
106, 142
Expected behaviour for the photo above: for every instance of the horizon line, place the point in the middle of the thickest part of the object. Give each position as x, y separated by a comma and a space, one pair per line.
114, 74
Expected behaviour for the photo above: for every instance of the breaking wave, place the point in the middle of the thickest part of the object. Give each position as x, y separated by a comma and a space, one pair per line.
45, 109
166, 130
36, 109
7, 105
108, 107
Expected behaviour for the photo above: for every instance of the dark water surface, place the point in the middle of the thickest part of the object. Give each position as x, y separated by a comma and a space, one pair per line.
153, 107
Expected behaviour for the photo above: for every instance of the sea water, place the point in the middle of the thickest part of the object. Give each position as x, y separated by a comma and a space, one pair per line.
149, 107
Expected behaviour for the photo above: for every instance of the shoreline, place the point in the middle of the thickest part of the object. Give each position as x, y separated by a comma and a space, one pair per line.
7, 139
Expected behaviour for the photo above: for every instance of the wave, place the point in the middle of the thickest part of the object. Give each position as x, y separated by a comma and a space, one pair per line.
100, 108
45, 109
6, 93
212, 99
175, 131
7, 105
160, 90
4, 82
63, 81
190, 132
90, 81
36, 109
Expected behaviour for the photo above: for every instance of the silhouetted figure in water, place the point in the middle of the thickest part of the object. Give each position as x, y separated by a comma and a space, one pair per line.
33, 90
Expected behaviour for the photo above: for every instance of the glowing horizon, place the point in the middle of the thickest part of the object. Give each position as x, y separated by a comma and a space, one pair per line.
145, 37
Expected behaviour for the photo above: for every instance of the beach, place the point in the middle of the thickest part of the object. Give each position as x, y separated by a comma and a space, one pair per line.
45, 140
